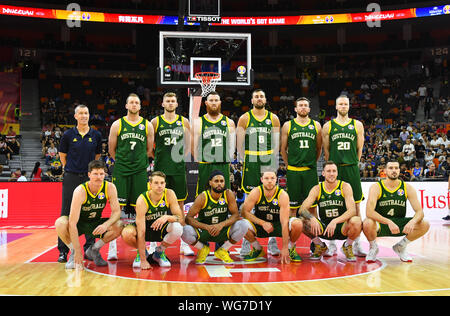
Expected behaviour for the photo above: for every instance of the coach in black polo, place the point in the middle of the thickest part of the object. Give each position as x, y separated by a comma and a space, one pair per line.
78, 146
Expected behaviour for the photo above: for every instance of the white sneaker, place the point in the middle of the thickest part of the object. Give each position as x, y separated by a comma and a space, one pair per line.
357, 249
185, 249
332, 249
160, 257
112, 251
152, 247
401, 252
245, 248
272, 247
137, 261
372, 255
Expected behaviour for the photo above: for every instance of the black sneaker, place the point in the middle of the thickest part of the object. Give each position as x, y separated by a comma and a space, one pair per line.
447, 218
62, 257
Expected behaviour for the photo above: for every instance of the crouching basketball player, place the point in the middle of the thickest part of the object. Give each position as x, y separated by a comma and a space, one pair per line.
88, 202
158, 218
386, 213
337, 214
271, 219
218, 220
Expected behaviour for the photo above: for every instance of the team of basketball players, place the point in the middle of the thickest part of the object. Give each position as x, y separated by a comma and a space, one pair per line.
328, 210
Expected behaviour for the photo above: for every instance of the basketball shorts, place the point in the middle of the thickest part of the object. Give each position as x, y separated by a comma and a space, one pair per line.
154, 235
338, 231
384, 231
87, 227
350, 174
261, 232
299, 183
205, 237
178, 183
251, 172
204, 171
130, 187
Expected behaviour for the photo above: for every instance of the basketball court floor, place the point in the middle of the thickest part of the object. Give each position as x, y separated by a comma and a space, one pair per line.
28, 267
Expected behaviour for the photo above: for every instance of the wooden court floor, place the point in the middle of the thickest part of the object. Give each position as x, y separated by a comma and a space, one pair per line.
28, 267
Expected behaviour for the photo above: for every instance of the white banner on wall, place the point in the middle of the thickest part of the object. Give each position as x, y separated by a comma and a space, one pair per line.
433, 196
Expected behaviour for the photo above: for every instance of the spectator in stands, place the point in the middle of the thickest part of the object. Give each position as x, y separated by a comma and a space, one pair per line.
11, 132
404, 134
405, 173
14, 145
13, 177
432, 173
420, 152
51, 153
444, 167
417, 172
5, 149
22, 177
429, 156
36, 173
409, 151
435, 142
55, 172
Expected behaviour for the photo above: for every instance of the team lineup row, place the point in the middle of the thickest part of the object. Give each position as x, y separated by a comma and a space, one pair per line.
211, 140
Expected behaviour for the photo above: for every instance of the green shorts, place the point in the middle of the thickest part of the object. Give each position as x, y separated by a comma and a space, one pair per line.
350, 174
204, 171
130, 187
87, 227
203, 235
338, 231
384, 231
251, 172
261, 233
299, 183
178, 183
154, 235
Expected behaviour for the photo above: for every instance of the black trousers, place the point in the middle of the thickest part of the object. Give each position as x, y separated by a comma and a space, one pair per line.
70, 183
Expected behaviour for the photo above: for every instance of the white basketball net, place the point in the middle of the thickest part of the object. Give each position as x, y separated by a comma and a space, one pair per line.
208, 81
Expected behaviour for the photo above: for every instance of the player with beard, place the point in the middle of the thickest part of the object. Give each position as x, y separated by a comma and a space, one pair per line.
130, 145
172, 144
301, 146
257, 137
271, 219
337, 213
217, 221
213, 143
343, 140
386, 213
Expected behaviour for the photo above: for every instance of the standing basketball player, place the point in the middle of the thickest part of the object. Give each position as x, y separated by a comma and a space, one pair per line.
130, 145
213, 142
386, 213
257, 144
172, 145
343, 140
301, 146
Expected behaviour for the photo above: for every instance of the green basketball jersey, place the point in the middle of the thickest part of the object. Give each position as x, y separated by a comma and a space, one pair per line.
302, 141
92, 207
131, 150
214, 140
392, 203
331, 204
343, 143
214, 212
155, 211
169, 146
258, 135
268, 210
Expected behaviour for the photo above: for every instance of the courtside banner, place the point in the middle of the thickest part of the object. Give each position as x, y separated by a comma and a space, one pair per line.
31, 204
326, 18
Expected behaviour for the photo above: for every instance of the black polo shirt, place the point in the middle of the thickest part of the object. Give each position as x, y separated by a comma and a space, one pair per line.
80, 150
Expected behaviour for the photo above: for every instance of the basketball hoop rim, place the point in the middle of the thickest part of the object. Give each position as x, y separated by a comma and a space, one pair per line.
207, 76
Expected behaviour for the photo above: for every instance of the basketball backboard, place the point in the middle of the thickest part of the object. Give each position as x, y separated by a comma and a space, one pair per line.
183, 54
